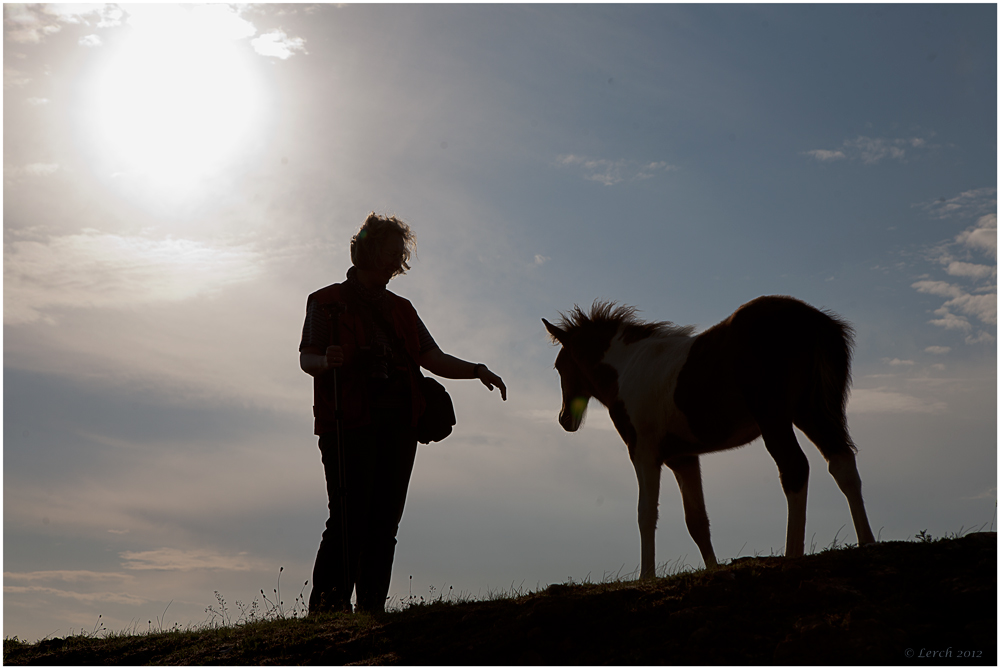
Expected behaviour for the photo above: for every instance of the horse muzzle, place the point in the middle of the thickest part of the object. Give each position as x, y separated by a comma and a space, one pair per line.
567, 421
571, 417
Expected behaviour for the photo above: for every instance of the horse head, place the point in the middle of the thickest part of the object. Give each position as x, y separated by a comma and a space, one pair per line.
576, 390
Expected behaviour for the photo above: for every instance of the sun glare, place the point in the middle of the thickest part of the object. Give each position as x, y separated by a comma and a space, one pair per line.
177, 101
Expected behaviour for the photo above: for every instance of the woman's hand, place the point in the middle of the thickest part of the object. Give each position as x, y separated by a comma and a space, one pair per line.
438, 362
490, 379
334, 357
316, 362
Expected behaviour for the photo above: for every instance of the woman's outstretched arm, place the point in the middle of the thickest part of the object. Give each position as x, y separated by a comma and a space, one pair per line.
448, 366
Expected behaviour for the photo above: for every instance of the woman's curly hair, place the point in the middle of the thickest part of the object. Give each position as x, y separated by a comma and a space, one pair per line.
369, 242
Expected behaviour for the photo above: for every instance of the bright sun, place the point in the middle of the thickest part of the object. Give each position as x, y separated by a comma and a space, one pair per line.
177, 101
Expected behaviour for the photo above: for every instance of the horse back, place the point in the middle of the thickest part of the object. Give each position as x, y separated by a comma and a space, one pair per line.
764, 355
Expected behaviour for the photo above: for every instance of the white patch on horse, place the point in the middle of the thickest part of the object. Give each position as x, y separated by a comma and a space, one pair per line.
647, 378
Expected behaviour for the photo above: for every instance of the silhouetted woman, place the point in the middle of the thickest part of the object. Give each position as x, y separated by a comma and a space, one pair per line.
381, 339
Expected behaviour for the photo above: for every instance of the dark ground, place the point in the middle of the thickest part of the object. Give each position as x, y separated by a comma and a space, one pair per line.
897, 603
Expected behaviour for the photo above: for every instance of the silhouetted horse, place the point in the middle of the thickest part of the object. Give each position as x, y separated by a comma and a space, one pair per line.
774, 363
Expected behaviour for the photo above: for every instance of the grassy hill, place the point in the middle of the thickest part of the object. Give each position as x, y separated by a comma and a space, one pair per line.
922, 602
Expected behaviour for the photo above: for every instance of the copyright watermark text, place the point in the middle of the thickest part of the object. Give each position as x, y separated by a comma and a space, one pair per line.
937, 653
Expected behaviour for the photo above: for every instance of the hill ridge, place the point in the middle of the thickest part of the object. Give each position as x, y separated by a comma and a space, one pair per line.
894, 602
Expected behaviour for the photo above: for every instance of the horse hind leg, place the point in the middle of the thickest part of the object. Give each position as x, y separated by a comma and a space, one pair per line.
844, 470
793, 471
834, 442
687, 471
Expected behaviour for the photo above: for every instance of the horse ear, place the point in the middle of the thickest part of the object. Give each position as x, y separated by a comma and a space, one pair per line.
556, 334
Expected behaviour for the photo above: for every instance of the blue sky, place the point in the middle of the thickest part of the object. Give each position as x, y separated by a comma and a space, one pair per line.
178, 179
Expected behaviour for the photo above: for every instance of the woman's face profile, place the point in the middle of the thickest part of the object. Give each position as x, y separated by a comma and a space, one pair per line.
390, 258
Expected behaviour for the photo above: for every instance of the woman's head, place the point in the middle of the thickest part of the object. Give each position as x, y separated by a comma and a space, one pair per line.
383, 243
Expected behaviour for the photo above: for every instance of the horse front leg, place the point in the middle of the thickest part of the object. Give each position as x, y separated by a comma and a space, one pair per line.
687, 471
647, 472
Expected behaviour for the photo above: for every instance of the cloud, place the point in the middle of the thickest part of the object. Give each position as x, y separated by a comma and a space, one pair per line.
983, 307
982, 237
611, 172
939, 288
173, 559
950, 321
991, 493
66, 576
881, 400
37, 102
210, 21
278, 45
69, 583
823, 155
32, 24
14, 78
32, 170
105, 597
974, 202
896, 362
94, 269
215, 21
28, 24
981, 338
90, 40
971, 270
976, 297
540, 259
870, 150
937, 350
873, 150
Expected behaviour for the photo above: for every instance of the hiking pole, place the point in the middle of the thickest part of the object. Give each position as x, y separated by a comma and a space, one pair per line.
333, 312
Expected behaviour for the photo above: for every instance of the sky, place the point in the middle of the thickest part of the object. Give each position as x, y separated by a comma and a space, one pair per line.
177, 179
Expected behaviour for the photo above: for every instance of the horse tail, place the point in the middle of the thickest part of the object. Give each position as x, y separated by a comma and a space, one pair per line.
823, 415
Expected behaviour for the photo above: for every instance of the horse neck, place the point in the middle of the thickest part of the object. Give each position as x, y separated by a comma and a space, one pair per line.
644, 360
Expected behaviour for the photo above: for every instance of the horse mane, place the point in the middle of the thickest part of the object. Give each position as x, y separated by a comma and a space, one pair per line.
608, 313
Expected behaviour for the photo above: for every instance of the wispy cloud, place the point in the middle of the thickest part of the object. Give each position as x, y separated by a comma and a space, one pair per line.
870, 150
28, 24
67, 576
982, 236
91, 597
32, 169
971, 293
214, 21
33, 23
883, 400
611, 172
78, 585
970, 203
94, 269
824, 156
278, 45
173, 559
14, 78
983, 307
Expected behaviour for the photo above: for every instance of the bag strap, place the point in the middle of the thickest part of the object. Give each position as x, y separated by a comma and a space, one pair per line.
395, 340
